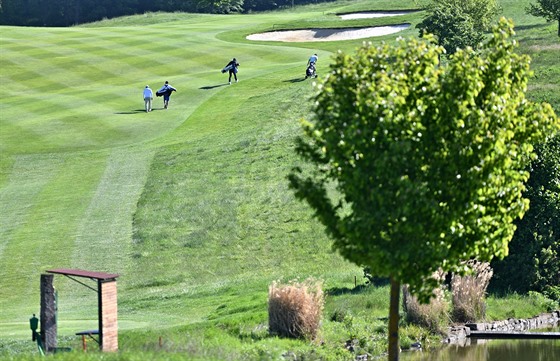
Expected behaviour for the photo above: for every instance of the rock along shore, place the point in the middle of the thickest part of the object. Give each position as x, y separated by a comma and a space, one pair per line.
460, 335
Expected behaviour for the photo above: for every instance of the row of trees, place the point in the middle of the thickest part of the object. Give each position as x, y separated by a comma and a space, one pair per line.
72, 12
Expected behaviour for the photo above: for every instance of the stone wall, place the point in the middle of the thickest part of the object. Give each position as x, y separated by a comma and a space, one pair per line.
460, 334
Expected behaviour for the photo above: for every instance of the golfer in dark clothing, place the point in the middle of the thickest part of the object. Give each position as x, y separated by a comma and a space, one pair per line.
166, 91
233, 64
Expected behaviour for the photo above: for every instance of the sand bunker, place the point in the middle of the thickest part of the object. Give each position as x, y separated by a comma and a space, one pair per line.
327, 34
336, 34
370, 15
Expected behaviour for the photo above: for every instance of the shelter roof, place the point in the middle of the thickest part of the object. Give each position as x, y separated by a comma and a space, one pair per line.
82, 273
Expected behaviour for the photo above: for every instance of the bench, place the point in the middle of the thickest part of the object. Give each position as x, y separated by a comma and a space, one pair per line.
88, 333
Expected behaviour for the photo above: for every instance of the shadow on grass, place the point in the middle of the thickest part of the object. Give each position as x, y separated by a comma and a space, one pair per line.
294, 80
139, 111
528, 27
212, 86
337, 291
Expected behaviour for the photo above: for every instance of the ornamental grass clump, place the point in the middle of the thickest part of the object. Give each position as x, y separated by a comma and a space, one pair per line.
434, 315
294, 309
469, 291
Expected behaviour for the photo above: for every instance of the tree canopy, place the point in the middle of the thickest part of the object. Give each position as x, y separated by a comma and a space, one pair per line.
415, 165
533, 263
548, 9
458, 23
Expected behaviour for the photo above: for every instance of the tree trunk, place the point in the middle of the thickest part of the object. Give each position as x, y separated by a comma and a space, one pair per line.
394, 321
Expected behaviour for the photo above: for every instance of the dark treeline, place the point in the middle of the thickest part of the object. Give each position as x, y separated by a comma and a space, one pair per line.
73, 12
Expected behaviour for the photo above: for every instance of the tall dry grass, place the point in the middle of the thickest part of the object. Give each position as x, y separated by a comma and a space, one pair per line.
469, 292
294, 309
434, 315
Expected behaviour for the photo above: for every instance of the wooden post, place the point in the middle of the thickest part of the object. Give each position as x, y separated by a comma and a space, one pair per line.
48, 312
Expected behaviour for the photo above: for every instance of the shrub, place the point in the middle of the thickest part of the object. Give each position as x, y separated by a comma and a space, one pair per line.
542, 301
338, 315
294, 310
469, 291
433, 315
374, 280
553, 292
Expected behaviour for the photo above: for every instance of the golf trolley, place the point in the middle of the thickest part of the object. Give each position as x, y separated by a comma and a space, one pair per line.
310, 72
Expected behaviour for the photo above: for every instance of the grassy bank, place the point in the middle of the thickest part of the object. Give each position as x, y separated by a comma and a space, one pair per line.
189, 205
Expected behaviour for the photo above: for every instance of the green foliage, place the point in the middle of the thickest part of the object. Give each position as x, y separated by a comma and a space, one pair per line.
458, 23
374, 280
543, 302
411, 334
513, 305
553, 292
534, 251
427, 160
548, 9
220, 6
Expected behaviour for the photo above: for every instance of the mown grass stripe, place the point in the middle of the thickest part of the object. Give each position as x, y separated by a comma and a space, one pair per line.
25, 180
44, 239
104, 235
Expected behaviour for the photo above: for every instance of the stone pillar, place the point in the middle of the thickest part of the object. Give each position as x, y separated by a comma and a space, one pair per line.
108, 326
48, 312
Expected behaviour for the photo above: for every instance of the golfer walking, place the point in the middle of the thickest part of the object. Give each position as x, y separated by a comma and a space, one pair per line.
313, 59
148, 96
233, 64
166, 91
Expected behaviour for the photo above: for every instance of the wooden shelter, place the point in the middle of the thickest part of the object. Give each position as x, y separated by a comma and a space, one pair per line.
106, 305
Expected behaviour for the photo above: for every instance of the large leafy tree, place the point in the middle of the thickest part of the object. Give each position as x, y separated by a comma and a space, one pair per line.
458, 23
533, 263
548, 9
415, 165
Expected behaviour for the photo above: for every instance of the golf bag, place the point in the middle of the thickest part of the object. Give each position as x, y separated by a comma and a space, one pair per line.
310, 72
163, 91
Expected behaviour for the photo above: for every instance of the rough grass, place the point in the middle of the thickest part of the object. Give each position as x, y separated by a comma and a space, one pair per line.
435, 315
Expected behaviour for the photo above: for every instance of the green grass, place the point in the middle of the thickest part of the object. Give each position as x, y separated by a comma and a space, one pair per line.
189, 205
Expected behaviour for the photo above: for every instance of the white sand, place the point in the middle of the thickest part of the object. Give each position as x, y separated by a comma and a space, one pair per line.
327, 34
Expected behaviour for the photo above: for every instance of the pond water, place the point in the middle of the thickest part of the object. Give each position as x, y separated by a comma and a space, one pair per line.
492, 350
